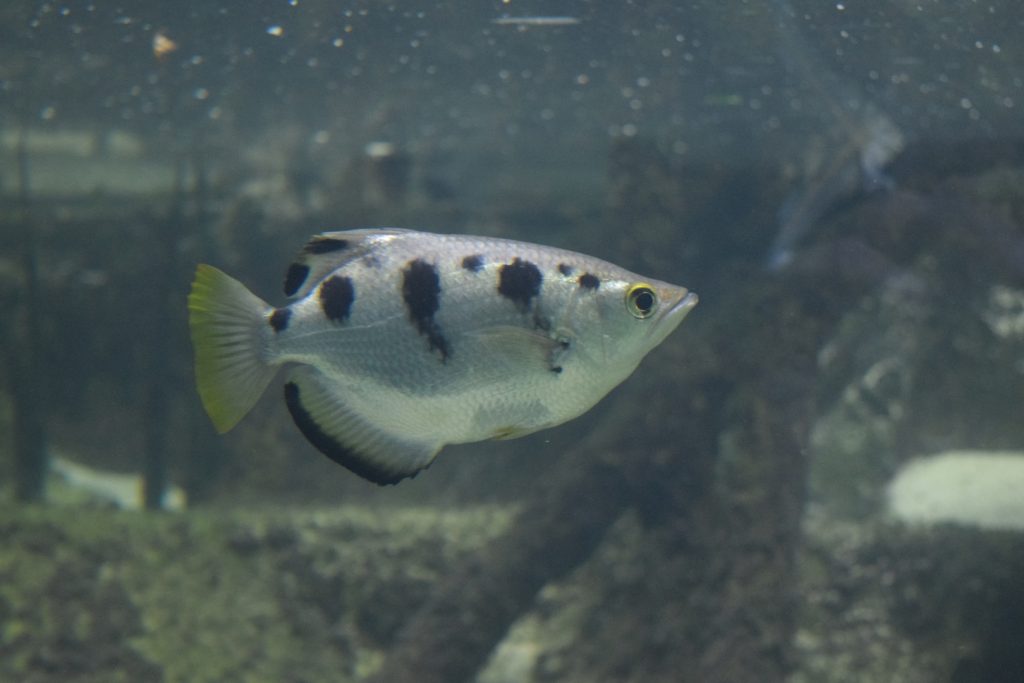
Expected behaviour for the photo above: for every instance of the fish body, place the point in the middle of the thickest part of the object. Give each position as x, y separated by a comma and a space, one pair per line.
862, 141
849, 170
400, 342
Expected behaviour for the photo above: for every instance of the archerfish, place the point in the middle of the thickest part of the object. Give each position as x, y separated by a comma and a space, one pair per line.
399, 342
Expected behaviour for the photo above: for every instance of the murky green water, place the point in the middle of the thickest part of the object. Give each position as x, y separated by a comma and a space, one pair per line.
816, 478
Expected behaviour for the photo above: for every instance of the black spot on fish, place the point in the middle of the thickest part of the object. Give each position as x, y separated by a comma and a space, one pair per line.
557, 369
565, 269
330, 446
293, 279
336, 297
325, 245
421, 291
279, 319
520, 282
588, 281
473, 263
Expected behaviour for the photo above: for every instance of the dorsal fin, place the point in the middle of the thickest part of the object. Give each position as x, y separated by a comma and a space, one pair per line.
328, 251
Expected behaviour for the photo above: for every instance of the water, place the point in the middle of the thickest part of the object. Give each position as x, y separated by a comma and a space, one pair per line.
840, 182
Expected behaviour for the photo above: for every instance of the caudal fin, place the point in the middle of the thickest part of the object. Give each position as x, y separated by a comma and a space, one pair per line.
226, 321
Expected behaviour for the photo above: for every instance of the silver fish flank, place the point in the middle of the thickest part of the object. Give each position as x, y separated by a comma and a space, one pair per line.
397, 342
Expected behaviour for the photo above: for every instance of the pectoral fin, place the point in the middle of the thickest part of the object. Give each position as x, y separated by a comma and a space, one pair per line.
521, 346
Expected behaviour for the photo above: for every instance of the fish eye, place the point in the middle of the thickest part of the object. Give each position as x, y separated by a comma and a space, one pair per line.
641, 301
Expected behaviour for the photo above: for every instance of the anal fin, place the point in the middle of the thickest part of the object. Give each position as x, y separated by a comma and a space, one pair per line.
348, 438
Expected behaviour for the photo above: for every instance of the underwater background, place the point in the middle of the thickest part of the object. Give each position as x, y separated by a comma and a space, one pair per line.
818, 477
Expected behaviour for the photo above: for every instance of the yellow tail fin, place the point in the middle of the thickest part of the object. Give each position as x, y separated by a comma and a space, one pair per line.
227, 322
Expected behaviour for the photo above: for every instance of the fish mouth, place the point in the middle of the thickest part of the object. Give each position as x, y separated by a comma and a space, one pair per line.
681, 307
671, 317
686, 303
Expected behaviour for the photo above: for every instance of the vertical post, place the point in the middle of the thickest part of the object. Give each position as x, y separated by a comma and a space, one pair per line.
31, 460
160, 378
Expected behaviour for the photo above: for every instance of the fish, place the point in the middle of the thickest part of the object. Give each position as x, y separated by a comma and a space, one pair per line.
862, 142
397, 343
849, 170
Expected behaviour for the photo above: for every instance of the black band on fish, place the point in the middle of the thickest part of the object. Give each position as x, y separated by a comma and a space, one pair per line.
520, 281
421, 291
336, 297
293, 279
473, 263
325, 245
589, 281
279, 319
332, 448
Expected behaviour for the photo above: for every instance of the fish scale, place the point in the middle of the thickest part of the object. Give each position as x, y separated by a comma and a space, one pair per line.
400, 342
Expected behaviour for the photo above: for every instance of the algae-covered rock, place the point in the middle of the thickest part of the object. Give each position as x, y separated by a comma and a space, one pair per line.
887, 602
97, 595
972, 488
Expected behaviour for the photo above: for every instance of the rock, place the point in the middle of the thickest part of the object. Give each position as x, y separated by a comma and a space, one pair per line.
983, 489
888, 602
206, 596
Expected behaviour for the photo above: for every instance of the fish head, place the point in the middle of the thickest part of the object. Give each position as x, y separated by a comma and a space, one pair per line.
633, 315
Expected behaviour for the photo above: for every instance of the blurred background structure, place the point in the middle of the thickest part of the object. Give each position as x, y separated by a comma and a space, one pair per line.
815, 479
